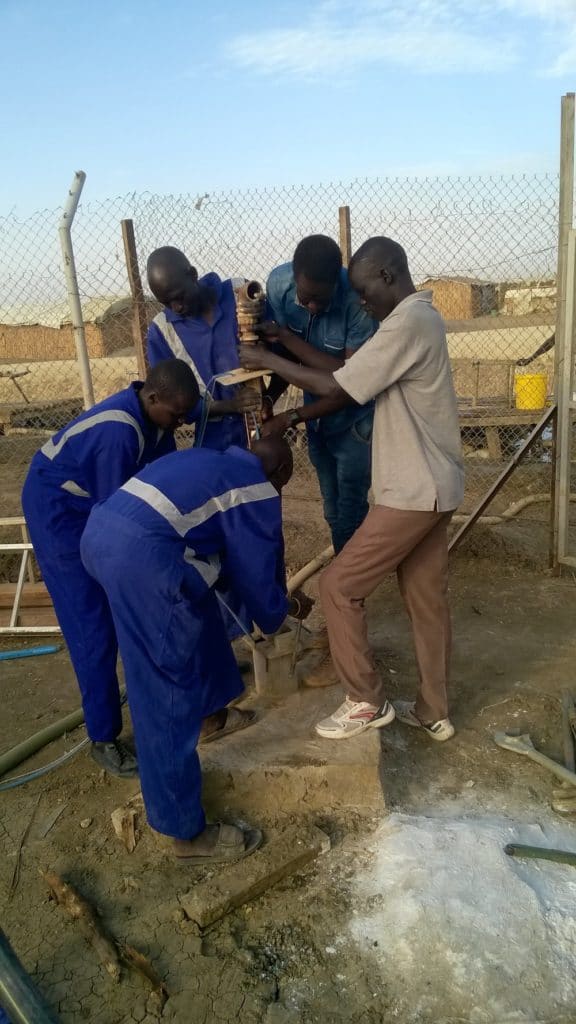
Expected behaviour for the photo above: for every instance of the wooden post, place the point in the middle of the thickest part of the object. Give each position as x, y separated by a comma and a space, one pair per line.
139, 324
345, 234
565, 214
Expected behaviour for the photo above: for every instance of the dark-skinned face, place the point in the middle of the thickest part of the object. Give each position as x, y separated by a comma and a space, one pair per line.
177, 289
375, 287
167, 413
315, 296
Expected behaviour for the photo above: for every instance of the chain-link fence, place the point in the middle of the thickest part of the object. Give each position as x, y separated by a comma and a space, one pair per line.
485, 246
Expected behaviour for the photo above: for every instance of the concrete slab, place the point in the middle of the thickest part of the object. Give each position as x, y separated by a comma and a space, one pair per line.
279, 765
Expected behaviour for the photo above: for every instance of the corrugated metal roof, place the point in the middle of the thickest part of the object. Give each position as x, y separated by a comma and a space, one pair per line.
57, 314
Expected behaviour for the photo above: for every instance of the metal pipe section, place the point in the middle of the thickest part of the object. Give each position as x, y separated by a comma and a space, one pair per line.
65, 232
19, 997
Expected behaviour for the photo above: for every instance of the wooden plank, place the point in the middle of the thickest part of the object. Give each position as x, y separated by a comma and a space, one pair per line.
30, 617
288, 851
345, 234
484, 418
34, 595
139, 323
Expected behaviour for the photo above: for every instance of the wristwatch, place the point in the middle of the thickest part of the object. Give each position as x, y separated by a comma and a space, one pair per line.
293, 417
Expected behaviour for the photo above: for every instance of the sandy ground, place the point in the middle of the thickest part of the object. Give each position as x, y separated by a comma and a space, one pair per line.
415, 915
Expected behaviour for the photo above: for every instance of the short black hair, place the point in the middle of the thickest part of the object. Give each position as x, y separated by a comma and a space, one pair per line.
173, 377
318, 257
167, 258
384, 252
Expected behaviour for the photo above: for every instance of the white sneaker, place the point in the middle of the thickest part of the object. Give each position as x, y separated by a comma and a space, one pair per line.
439, 731
353, 717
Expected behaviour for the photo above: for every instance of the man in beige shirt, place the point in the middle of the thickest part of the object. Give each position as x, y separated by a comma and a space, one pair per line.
417, 482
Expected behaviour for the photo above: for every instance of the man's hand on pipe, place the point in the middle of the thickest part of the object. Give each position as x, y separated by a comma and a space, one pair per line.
254, 357
300, 605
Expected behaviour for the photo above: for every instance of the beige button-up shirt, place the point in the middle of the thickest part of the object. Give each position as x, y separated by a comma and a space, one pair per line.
416, 451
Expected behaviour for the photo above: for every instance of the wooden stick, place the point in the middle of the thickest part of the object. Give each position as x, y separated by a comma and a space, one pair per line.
110, 952
80, 910
132, 958
24, 837
139, 324
345, 234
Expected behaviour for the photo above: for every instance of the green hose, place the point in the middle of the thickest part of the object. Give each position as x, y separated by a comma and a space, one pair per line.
541, 853
34, 743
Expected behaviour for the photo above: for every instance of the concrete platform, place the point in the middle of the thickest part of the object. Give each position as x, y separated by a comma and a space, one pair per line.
279, 765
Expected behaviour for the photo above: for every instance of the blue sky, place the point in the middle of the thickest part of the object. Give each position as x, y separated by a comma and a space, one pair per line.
178, 97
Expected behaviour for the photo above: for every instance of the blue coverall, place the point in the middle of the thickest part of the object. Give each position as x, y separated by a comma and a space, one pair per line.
160, 547
209, 349
82, 464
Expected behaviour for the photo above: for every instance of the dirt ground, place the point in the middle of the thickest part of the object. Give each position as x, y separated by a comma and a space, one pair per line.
306, 951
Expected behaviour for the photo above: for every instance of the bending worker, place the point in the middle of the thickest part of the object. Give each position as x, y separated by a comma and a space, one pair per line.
204, 519
417, 481
198, 324
82, 464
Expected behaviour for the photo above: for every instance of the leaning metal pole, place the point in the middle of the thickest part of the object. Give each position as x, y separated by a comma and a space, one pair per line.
18, 995
65, 232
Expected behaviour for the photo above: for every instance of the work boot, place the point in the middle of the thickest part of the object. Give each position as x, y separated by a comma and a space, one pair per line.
116, 759
323, 674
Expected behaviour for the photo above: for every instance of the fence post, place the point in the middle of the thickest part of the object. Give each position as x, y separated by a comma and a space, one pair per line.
565, 218
64, 231
139, 324
566, 410
345, 234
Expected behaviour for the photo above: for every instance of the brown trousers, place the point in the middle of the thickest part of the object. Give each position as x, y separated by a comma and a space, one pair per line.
415, 546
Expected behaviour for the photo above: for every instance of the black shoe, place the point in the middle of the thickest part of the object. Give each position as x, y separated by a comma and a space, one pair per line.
115, 759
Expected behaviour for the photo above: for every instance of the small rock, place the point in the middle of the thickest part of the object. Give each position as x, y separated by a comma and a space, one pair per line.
129, 883
469, 784
178, 916
85, 823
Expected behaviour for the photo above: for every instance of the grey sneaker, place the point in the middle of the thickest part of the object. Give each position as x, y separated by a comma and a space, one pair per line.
116, 759
439, 731
354, 717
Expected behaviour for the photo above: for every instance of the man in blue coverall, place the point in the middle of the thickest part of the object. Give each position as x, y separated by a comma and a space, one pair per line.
198, 324
81, 465
205, 519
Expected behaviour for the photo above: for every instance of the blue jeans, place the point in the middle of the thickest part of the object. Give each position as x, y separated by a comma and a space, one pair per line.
343, 465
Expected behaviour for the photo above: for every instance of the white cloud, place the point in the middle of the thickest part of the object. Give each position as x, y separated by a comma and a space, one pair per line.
305, 52
437, 36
